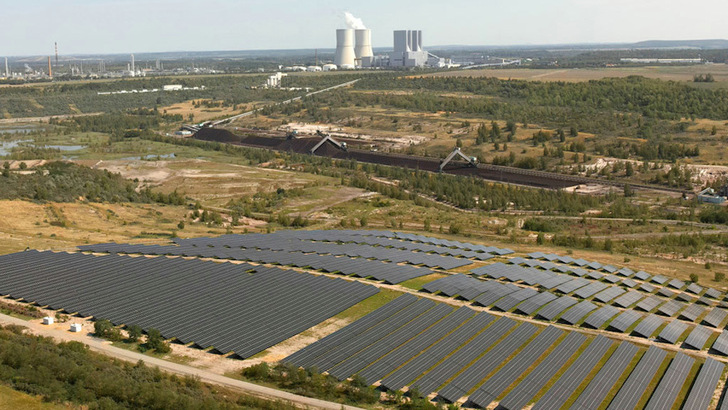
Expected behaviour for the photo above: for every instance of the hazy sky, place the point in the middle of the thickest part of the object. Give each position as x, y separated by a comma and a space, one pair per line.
121, 26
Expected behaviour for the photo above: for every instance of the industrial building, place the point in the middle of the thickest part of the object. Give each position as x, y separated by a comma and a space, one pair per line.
354, 50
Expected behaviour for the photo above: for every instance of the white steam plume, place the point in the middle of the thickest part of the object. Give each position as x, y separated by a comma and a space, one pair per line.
353, 22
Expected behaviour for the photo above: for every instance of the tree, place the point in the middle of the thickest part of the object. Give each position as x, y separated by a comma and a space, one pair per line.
694, 277
23, 165
608, 245
540, 238
6, 169
719, 276
629, 169
156, 342
134, 333
714, 130
363, 221
628, 191
459, 143
181, 225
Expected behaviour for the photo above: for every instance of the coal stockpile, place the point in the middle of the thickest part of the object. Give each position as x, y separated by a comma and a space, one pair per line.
510, 175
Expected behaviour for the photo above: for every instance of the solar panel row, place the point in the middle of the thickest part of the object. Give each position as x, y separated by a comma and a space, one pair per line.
388, 272
457, 354
234, 308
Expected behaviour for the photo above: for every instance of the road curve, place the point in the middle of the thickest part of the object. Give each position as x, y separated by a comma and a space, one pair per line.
104, 347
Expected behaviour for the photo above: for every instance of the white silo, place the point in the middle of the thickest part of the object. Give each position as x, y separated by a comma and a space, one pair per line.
345, 54
363, 48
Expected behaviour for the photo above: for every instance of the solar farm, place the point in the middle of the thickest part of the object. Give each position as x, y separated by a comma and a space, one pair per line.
494, 328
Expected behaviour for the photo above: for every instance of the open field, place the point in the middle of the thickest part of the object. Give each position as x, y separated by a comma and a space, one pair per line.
12, 399
669, 73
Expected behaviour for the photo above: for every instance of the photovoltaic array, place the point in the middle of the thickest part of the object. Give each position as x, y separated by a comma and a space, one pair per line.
549, 290
380, 255
460, 353
237, 308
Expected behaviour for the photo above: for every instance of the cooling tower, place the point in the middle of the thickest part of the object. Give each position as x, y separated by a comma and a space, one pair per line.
344, 48
363, 46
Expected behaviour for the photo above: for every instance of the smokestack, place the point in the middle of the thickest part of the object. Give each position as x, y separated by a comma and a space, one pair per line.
7, 70
50, 70
56, 45
345, 54
363, 47
132, 63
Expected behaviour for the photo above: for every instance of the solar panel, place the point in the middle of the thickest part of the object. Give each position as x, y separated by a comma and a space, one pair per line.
649, 304
473, 374
419, 343
534, 303
353, 364
147, 291
571, 286
715, 317
648, 326
712, 293
510, 301
514, 368
575, 314
628, 299
704, 386
669, 387
685, 297
721, 344
625, 319
428, 358
659, 279
698, 337
600, 316
590, 290
629, 283
670, 308
673, 331
642, 275
598, 388
458, 360
639, 379
646, 287
694, 288
666, 293
676, 283
524, 392
692, 312
609, 294
553, 309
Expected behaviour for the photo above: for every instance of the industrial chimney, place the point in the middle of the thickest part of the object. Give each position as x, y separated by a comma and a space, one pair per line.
345, 55
363, 48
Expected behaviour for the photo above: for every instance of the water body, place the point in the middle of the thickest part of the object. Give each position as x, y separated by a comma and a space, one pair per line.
6, 147
19, 129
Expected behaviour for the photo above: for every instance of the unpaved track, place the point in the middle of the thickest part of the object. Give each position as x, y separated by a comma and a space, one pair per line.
105, 348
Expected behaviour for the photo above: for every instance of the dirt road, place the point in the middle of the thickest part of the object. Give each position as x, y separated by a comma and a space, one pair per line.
105, 348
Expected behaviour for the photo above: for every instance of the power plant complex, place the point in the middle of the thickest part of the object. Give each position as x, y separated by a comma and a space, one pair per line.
354, 50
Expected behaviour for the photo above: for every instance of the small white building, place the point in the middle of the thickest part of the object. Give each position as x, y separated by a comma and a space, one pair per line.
329, 67
76, 327
313, 68
48, 320
172, 87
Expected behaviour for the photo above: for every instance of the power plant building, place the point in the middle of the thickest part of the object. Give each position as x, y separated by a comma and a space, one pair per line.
354, 49
408, 50
345, 56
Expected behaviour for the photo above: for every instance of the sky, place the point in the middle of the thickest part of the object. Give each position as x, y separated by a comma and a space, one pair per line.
135, 26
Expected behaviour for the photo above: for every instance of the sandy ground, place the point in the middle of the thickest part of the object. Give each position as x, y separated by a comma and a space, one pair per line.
337, 131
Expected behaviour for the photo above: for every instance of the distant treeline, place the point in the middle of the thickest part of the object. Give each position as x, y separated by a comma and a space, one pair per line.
68, 182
